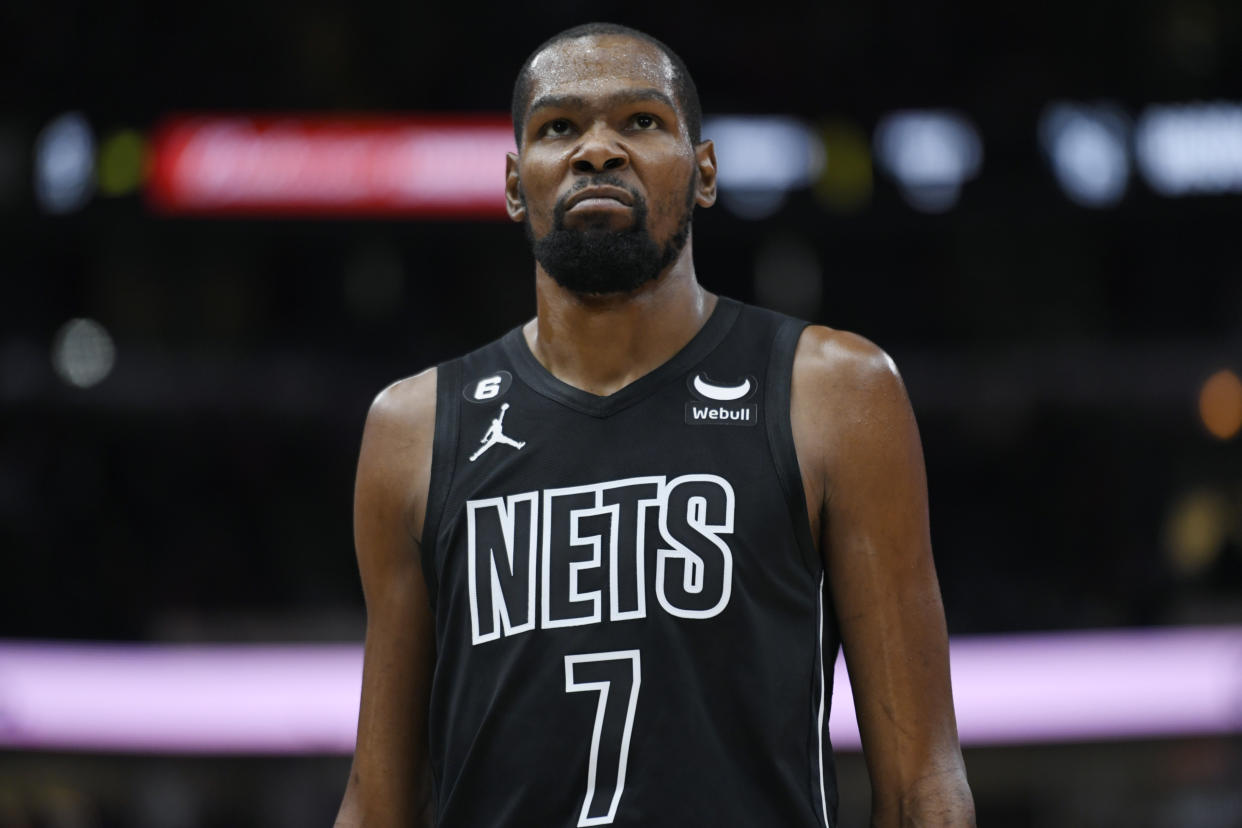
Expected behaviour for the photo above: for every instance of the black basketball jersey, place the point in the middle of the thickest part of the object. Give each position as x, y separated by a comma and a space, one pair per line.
629, 608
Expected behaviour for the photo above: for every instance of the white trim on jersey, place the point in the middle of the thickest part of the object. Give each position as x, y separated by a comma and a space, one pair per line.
819, 731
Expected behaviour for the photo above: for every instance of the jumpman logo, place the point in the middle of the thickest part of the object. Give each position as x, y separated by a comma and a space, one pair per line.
495, 435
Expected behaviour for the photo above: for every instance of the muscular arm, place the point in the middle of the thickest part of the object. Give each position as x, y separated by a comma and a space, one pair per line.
390, 782
862, 467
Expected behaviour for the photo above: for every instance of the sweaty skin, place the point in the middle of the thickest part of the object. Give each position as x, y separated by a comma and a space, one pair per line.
607, 103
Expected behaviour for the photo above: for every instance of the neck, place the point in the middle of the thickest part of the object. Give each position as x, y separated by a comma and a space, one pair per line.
600, 344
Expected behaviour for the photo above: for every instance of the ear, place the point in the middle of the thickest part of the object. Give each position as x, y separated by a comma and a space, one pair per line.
513, 189
705, 157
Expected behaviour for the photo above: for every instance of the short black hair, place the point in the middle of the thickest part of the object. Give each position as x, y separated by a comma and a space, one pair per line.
683, 84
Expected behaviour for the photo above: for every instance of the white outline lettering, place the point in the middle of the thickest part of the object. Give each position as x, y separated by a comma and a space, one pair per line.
506, 507
623, 755
696, 517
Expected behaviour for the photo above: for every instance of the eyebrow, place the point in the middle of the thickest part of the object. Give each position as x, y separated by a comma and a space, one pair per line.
616, 99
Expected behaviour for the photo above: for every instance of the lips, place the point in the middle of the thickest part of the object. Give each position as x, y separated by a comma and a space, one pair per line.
602, 193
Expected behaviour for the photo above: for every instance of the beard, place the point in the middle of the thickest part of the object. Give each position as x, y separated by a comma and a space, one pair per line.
597, 260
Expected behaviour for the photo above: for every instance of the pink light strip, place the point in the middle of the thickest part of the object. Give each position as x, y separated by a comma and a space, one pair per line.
296, 699
179, 699
1085, 686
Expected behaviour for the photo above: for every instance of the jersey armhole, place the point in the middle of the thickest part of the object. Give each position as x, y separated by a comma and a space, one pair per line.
777, 416
443, 461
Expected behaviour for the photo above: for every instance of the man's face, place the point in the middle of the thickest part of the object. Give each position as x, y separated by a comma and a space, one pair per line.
606, 178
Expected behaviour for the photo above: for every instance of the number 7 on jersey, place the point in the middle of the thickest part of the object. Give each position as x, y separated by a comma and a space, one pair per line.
615, 676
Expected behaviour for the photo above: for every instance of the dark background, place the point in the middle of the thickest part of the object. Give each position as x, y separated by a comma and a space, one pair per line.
202, 492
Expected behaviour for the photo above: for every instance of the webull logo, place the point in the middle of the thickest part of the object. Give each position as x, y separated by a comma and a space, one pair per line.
722, 403
717, 414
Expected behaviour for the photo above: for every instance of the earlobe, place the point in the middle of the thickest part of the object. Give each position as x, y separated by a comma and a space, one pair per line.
705, 157
514, 204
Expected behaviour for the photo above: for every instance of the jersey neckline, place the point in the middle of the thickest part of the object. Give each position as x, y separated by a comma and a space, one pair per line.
544, 382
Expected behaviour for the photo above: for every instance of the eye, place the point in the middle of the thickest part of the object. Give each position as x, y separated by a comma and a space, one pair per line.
644, 121
559, 126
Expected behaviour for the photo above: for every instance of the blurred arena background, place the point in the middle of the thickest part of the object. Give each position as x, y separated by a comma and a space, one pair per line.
224, 227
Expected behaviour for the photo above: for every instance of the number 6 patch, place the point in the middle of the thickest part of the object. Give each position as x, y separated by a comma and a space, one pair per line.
488, 388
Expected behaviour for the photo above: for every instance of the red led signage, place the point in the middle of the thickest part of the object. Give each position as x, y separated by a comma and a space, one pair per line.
320, 166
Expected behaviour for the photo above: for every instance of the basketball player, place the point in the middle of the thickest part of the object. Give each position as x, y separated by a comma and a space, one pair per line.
609, 558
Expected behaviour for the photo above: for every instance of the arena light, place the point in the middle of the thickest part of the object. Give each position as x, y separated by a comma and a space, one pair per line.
931, 153
1087, 147
64, 164
845, 182
122, 162
1191, 149
303, 699
1220, 404
83, 353
762, 158
412, 166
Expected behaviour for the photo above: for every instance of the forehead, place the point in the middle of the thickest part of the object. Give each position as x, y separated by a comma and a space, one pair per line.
600, 64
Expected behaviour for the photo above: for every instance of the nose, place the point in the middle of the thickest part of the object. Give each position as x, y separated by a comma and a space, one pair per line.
599, 152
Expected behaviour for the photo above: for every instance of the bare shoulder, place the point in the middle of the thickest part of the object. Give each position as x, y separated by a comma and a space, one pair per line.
406, 406
394, 465
847, 400
839, 368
